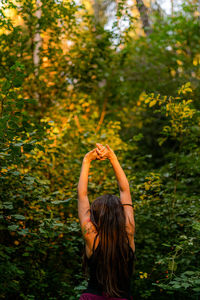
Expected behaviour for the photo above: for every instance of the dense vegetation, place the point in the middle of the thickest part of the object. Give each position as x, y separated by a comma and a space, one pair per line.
67, 83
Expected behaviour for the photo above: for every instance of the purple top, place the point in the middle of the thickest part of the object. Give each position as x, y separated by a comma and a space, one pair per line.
88, 296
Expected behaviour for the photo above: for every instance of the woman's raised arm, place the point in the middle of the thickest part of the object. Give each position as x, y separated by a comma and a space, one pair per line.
119, 173
88, 229
83, 202
125, 195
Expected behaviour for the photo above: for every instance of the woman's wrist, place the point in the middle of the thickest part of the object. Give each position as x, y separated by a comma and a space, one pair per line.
112, 157
86, 159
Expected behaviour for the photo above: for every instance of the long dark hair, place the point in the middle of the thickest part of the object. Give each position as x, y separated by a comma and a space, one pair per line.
107, 215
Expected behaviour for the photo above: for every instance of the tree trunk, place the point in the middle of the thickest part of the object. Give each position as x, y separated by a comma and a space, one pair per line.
198, 8
144, 17
172, 8
37, 39
96, 7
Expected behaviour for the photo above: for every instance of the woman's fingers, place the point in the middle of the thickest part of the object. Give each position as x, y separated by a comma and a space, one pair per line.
103, 152
100, 146
107, 146
101, 158
98, 151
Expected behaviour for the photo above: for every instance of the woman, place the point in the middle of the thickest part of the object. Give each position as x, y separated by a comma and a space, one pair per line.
108, 229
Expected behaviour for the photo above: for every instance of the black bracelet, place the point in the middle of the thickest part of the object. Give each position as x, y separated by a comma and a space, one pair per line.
128, 204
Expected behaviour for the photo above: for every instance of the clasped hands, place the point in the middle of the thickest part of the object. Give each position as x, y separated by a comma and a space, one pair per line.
99, 153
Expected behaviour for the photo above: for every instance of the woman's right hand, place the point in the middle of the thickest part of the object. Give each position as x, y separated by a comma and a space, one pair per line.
104, 152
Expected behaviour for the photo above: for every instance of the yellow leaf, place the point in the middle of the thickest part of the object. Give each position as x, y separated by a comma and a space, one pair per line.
195, 62
143, 95
173, 72
152, 103
188, 90
147, 187
179, 62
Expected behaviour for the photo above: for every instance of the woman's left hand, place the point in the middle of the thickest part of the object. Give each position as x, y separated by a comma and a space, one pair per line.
92, 155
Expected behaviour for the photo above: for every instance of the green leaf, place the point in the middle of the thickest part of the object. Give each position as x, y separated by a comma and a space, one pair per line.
165, 244
41, 148
138, 137
7, 205
18, 217
13, 227
28, 147
23, 231
6, 86
61, 201
176, 286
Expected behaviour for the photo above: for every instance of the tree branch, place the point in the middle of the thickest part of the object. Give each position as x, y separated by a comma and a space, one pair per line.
102, 115
76, 119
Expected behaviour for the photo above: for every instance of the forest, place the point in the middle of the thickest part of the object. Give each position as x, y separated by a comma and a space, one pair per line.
76, 73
